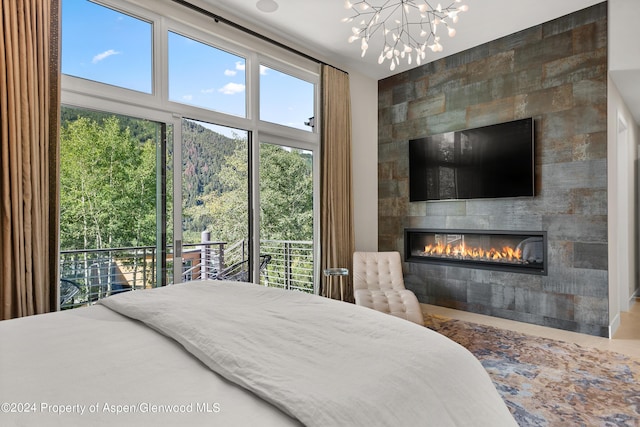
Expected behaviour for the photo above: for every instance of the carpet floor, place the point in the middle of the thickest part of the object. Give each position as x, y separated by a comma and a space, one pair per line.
552, 383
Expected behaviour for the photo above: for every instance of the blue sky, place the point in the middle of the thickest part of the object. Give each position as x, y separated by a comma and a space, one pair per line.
110, 47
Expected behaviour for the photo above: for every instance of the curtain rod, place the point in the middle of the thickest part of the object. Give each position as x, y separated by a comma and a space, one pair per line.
218, 18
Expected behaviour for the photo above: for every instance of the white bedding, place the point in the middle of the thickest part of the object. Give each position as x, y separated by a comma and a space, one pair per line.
324, 362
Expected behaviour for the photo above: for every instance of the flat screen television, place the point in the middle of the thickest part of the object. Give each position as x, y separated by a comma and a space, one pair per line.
487, 162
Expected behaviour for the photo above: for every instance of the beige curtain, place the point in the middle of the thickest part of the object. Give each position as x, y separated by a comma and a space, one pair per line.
336, 201
29, 111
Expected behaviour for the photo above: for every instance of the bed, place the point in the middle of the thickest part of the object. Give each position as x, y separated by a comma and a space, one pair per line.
236, 354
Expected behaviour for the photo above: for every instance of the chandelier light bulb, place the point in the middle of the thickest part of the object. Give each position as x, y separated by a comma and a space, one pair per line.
401, 27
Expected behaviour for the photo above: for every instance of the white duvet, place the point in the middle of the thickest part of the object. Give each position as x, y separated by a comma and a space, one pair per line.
323, 362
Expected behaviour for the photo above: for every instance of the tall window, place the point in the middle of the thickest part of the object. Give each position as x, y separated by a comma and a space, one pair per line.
286, 214
225, 129
111, 215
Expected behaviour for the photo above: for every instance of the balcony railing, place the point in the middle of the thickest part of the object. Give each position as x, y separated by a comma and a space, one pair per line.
291, 265
86, 276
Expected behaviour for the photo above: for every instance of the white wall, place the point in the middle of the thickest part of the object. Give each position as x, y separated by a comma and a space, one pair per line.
364, 111
623, 104
624, 51
622, 201
623, 17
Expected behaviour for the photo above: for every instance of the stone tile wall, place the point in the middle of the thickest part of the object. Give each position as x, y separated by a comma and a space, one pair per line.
557, 73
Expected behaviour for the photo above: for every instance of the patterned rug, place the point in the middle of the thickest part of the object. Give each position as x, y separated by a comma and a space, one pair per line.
552, 383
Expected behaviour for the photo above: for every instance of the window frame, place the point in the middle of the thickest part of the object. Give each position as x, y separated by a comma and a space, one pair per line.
166, 16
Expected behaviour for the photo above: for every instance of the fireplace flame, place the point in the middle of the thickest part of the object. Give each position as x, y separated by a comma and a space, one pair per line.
462, 251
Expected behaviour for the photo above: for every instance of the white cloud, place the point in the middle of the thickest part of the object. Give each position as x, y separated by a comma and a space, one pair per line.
232, 88
240, 66
99, 57
230, 73
207, 91
187, 97
263, 70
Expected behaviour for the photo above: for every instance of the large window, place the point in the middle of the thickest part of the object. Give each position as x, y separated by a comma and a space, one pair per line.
286, 214
112, 222
198, 119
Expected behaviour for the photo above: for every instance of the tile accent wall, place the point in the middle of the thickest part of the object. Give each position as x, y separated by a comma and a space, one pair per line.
557, 73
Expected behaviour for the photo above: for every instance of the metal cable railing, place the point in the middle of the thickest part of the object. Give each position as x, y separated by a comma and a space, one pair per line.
87, 276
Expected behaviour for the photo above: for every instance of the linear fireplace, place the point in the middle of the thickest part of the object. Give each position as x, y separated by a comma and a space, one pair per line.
512, 251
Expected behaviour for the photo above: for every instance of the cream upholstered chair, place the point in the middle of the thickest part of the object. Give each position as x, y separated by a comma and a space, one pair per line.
378, 283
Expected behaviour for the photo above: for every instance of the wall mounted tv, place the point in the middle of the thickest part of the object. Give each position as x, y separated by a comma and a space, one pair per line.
486, 162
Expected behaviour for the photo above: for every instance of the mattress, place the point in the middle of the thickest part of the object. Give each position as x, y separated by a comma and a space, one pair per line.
224, 353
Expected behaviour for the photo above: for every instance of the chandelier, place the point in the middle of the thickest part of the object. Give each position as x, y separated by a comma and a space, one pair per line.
408, 27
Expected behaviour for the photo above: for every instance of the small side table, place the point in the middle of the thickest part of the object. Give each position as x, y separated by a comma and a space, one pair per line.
339, 273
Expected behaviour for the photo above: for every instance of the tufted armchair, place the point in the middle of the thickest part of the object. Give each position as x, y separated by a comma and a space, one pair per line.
378, 283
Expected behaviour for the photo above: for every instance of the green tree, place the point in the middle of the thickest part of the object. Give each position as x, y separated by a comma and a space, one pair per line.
223, 210
203, 155
286, 196
107, 180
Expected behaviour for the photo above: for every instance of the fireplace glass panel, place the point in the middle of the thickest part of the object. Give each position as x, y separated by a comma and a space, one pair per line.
498, 250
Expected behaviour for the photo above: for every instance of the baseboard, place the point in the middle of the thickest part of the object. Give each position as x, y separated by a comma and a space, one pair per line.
613, 327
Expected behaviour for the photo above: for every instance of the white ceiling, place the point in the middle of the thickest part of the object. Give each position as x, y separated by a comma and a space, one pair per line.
317, 26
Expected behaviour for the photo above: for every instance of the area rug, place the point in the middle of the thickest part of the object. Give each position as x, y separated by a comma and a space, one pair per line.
552, 383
